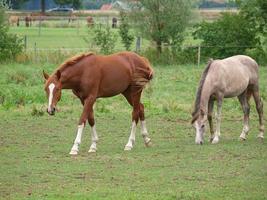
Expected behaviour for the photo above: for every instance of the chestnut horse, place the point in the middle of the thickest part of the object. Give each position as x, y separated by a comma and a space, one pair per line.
91, 76
230, 77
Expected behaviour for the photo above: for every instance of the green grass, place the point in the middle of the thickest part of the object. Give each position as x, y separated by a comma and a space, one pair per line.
57, 37
34, 147
54, 36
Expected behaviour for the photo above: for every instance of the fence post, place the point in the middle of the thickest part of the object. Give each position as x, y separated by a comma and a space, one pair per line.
25, 42
39, 31
78, 26
35, 52
198, 55
138, 44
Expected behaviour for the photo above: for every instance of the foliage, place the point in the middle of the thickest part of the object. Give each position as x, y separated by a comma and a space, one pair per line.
227, 36
163, 21
16, 4
217, 4
10, 45
74, 3
167, 57
105, 39
126, 37
255, 13
89, 4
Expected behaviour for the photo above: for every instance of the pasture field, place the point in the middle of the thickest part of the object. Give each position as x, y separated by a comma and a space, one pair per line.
34, 147
53, 36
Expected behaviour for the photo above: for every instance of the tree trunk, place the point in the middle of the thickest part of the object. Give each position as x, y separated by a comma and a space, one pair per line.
43, 6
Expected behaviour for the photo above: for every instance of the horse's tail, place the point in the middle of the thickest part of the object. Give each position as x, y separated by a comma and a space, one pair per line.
143, 73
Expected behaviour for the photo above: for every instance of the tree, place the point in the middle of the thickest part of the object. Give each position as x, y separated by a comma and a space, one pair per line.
255, 13
16, 4
163, 21
126, 37
43, 6
10, 45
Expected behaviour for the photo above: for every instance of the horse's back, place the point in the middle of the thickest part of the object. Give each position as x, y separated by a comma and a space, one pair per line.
239, 65
234, 74
120, 71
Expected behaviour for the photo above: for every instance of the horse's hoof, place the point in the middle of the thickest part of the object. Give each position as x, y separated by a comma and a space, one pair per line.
92, 150
148, 144
215, 140
73, 152
242, 138
260, 137
127, 148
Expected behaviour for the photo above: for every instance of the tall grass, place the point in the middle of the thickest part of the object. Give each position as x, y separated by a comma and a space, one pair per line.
171, 92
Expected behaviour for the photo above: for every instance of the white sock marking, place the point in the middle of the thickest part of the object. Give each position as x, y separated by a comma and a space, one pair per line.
144, 132
78, 139
131, 140
94, 140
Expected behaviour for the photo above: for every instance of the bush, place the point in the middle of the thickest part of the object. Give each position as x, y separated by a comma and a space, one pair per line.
10, 45
227, 36
126, 37
168, 57
103, 38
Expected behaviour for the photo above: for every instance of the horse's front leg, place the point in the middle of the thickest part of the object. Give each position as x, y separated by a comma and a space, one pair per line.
218, 121
87, 109
210, 112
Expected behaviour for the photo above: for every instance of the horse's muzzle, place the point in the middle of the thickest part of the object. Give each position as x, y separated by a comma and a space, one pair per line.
51, 112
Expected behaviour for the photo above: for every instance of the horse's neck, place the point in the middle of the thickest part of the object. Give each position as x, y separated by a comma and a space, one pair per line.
205, 96
69, 79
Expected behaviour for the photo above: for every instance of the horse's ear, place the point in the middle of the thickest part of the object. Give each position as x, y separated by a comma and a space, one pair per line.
58, 74
46, 76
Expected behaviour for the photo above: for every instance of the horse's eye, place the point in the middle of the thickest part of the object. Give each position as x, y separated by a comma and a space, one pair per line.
203, 126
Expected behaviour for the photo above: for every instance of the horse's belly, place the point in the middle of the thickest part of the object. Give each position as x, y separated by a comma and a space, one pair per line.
235, 89
114, 84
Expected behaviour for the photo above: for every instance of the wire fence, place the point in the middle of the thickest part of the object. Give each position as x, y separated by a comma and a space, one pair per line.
56, 55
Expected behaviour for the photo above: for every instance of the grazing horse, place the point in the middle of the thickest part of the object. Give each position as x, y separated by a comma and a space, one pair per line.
114, 22
72, 18
90, 21
28, 21
91, 76
13, 20
236, 76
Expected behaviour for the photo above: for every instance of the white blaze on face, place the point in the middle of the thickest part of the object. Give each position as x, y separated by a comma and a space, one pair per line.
199, 137
50, 98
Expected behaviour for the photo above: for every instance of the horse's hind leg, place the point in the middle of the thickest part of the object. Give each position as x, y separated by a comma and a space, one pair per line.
133, 97
259, 107
134, 100
94, 137
144, 132
243, 99
210, 112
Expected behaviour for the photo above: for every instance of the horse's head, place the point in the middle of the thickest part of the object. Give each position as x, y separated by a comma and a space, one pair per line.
199, 122
53, 91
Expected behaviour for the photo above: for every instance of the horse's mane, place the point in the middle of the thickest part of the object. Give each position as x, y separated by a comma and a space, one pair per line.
195, 113
73, 60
